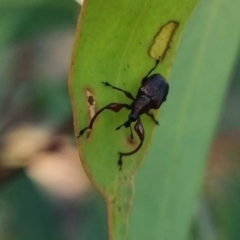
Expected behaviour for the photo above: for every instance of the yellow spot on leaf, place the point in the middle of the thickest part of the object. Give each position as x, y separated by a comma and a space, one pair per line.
162, 40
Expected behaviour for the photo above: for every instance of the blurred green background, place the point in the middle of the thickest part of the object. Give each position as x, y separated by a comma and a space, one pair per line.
44, 193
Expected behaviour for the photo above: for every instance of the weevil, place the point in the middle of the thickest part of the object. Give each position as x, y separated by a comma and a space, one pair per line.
151, 94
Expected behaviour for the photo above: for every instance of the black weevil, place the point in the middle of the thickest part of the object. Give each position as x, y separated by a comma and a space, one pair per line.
152, 93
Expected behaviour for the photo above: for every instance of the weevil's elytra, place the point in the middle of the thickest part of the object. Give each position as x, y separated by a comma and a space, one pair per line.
151, 94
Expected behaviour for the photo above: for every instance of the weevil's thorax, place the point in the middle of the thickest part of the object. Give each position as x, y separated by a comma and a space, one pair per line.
140, 105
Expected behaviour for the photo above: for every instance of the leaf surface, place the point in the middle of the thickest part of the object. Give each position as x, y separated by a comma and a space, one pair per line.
112, 44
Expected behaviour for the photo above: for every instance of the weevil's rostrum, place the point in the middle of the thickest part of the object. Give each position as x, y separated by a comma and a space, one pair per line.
151, 94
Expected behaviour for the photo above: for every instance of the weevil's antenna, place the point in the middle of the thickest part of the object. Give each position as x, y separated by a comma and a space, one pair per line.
126, 124
119, 127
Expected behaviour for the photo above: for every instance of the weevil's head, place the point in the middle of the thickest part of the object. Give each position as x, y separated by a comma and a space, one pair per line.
132, 117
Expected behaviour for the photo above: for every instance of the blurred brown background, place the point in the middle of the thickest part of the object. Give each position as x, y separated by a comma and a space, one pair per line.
44, 192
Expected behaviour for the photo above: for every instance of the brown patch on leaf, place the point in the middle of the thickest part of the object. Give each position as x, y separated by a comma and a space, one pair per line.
91, 103
131, 141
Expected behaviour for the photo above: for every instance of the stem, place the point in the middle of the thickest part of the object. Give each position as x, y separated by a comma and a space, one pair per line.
118, 211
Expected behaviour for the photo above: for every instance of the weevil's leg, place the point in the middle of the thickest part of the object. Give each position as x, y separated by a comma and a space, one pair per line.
115, 107
151, 70
127, 94
150, 114
140, 132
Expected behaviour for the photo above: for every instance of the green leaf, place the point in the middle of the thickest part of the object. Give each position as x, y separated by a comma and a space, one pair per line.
168, 184
112, 44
